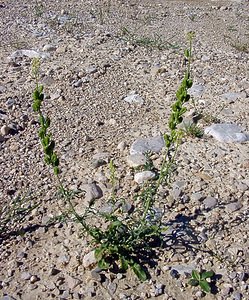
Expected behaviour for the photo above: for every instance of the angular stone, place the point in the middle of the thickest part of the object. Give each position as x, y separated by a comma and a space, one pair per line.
93, 191
196, 90
49, 48
89, 259
231, 207
141, 177
231, 97
143, 145
136, 160
210, 202
132, 97
227, 133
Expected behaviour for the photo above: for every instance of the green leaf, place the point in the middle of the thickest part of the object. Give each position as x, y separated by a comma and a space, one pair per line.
196, 275
99, 253
124, 263
186, 53
56, 170
139, 271
205, 286
208, 274
193, 282
102, 264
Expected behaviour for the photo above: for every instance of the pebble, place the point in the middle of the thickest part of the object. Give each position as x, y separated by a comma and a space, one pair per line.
49, 48
144, 176
89, 259
5, 130
197, 90
143, 145
231, 97
93, 191
234, 206
210, 202
28, 53
237, 296
132, 97
228, 133
136, 160
25, 275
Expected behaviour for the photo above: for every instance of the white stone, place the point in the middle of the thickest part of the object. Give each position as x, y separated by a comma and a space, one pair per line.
89, 259
228, 133
28, 53
133, 97
141, 177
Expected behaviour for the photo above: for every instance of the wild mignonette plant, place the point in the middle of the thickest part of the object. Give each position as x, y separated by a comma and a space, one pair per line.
129, 236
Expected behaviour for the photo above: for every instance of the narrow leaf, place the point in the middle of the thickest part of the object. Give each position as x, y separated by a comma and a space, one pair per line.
138, 270
193, 282
196, 275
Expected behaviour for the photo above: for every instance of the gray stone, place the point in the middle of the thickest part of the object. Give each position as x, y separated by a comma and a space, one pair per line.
72, 282
6, 297
136, 160
143, 145
183, 269
196, 90
93, 191
231, 97
141, 177
237, 296
231, 207
196, 196
91, 69
49, 48
133, 97
89, 259
28, 53
227, 133
34, 279
25, 275
210, 202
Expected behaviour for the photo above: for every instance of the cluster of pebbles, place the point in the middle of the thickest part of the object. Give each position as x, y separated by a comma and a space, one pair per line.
110, 70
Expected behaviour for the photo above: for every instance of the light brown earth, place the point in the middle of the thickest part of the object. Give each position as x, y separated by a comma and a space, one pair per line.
100, 51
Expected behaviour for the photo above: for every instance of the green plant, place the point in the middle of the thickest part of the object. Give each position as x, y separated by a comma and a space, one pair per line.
39, 9
145, 41
12, 214
124, 239
201, 280
193, 130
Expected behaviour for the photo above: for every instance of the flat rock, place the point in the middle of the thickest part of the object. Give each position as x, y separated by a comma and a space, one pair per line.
143, 145
231, 97
231, 207
136, 160
196, 90
93, 191
141, 177
133, 97
89, 259
210, 202
28, 53
228, 133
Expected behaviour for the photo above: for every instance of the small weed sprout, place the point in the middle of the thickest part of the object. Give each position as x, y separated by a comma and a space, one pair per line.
201, 280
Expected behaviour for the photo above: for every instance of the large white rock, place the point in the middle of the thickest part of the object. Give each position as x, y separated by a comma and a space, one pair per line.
228, 133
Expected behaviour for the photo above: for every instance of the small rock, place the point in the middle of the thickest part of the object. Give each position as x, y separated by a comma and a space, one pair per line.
153, 144
53, 272
72, 282
33, 279
121, 146
28, 53
78, 83
6, 297
174, 273
210, 202
112, 287
231, 207
231, 97
136, 160
237, 296
89, 259
196, 90
49, 48
132, 97
227, 133
5, 130
93, 191
141, 177
91, 69
25, 275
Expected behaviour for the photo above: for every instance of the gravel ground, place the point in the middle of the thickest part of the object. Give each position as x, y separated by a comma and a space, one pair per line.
110, 70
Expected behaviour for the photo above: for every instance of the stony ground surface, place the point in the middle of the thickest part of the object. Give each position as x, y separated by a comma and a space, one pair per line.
110, 70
